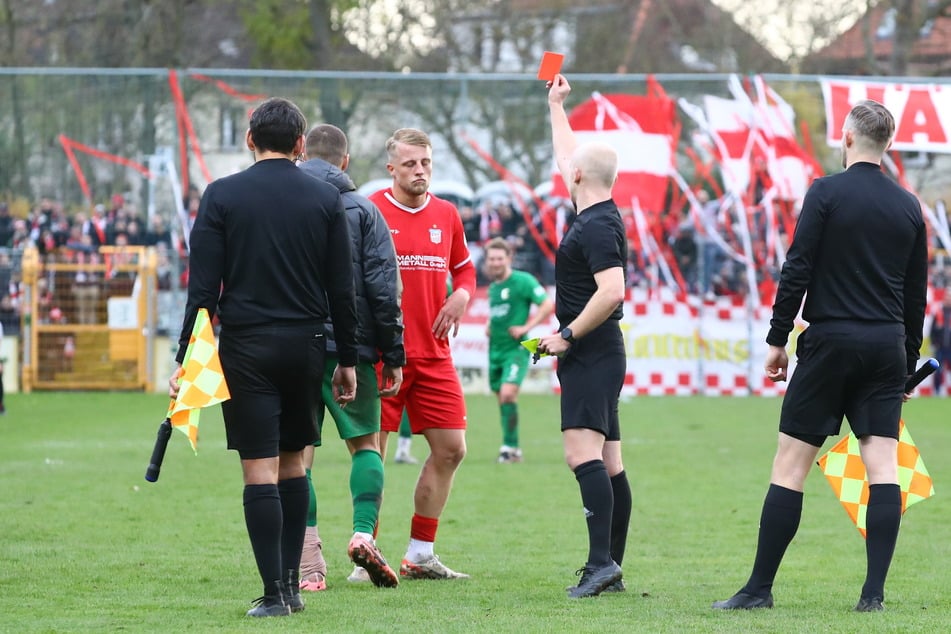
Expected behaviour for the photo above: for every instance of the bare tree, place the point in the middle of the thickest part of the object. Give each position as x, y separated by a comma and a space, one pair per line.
15, 155
794, 30
905, 20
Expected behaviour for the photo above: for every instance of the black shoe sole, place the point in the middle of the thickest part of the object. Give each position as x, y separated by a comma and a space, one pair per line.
746, 602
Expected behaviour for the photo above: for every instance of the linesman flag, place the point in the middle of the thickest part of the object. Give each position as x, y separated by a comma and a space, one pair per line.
843, 467
202, 381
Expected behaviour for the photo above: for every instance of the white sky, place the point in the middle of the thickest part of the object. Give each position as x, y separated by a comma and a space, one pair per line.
788, 27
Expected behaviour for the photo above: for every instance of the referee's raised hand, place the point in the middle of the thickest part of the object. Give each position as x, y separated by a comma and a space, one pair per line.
558, 89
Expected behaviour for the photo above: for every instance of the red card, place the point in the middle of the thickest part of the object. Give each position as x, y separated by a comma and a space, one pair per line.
550, 66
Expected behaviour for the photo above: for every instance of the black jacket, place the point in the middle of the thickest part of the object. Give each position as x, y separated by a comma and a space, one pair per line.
375, 272
275, 245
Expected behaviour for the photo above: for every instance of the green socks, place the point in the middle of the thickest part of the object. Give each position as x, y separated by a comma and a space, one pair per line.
509, 413
366, 488
406, 431
312, 509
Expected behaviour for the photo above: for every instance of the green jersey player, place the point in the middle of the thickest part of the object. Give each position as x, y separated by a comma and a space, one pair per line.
512, 294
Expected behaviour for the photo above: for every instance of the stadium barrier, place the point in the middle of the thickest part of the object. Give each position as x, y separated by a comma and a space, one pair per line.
88, 323
676, 346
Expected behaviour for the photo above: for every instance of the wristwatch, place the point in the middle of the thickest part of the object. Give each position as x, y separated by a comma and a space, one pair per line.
567, 335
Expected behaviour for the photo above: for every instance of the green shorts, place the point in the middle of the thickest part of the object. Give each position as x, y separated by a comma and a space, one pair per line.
358, 418
509, 367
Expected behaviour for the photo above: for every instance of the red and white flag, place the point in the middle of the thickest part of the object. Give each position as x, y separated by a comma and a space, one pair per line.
727, 123
641, 129
745, 132
791, 168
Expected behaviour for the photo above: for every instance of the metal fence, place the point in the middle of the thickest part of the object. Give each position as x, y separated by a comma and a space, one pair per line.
155, 137
88, 319
132, 113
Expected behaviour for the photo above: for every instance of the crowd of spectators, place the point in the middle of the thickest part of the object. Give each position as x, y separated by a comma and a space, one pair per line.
699, 252
699, 247
679, 249
76, 238
54, 232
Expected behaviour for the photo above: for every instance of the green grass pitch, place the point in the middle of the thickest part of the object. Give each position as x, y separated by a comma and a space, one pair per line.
87, 545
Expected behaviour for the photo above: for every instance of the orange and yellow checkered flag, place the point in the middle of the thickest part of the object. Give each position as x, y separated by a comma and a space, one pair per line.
843, 467
202, 381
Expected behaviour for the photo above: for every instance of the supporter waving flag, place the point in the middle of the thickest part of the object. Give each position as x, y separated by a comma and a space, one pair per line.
643, 130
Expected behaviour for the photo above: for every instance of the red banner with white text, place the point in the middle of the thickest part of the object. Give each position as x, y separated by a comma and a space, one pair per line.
922, 111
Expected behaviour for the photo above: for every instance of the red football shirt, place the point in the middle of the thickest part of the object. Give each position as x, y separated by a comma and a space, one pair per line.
430, 246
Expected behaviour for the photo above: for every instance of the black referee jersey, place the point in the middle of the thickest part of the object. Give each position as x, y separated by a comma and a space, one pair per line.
859, 254
274, 242
596, 241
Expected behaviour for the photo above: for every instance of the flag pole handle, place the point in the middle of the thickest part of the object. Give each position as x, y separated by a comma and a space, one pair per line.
927, 369
158, 452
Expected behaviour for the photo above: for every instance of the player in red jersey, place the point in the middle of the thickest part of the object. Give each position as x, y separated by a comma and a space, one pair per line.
430, 246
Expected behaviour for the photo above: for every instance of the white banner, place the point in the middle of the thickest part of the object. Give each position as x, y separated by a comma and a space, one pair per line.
694, 347
674, 347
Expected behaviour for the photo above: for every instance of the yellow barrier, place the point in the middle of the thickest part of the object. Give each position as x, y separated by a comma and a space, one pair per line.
88, 323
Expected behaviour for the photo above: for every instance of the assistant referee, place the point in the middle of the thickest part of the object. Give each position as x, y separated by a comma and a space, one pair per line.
859, 254
274, 242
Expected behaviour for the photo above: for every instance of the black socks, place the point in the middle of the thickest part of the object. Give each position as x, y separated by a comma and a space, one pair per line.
778, 524
882, 519
621, 518
295, 502
263, 517
598, 499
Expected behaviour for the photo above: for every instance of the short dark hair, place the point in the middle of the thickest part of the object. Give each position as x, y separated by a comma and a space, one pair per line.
276, 125
327, 142
873, 121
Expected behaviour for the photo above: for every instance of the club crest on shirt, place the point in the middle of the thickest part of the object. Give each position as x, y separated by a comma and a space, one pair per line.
505, 293
435, 235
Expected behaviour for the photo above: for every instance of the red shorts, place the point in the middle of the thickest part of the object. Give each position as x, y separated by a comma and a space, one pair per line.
431, 394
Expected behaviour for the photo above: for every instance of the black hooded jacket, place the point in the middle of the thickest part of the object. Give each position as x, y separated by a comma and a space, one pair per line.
375, 272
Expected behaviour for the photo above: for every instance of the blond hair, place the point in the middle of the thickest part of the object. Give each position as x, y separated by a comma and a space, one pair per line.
408, 136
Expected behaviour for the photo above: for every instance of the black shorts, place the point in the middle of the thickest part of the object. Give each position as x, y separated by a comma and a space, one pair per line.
846, 369
591, 376
274, 374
